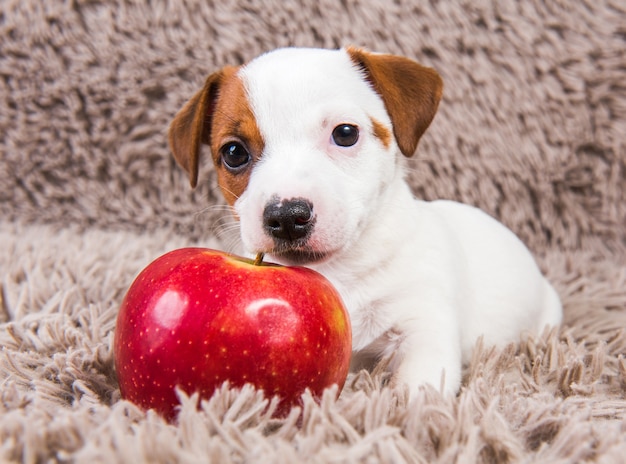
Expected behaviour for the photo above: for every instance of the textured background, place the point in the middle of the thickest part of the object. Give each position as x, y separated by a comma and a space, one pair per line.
532, 128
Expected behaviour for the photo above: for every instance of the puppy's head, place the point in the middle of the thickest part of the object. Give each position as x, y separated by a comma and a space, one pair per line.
305, 143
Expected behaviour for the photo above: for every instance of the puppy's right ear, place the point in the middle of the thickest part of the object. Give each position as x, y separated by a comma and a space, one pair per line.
192, 126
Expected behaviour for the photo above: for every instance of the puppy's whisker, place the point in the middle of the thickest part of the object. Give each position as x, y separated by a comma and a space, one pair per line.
219, 219
222, 207
232, 242
417, 163
227, 230
213, 208
415, 170
231, 192
232, 246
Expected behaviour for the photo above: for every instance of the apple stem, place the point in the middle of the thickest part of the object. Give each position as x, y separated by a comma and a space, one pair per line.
259, 258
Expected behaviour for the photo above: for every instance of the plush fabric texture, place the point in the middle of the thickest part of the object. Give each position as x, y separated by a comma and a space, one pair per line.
532, 128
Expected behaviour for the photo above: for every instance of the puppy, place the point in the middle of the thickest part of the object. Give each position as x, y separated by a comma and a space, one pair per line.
309, 147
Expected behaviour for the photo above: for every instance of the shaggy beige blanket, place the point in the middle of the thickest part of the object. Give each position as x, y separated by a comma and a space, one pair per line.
532, 128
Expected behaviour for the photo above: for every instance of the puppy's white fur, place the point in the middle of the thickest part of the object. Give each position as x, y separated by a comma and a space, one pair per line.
421, 280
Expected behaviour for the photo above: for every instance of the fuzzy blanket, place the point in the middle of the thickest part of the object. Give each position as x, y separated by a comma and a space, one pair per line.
532, 128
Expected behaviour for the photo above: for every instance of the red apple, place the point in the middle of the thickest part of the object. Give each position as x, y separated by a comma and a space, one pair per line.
196, 317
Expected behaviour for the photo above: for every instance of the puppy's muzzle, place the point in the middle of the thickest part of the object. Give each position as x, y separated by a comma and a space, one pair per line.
289, 222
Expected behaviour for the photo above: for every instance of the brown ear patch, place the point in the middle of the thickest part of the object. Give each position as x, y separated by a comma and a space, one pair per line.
191, 125
410, 92
233, 121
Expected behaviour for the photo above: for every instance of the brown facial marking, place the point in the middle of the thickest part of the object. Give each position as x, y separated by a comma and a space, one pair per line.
381, 132
233, 121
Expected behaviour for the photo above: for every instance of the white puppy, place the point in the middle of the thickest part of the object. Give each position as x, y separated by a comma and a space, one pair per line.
309, 148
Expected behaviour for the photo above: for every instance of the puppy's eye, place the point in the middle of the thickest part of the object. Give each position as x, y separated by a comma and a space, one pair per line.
235, 156
345, 135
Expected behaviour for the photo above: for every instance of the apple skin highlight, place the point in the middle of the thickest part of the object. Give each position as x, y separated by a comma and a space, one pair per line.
195, 318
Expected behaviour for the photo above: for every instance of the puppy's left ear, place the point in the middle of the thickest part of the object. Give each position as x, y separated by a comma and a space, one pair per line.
411, 93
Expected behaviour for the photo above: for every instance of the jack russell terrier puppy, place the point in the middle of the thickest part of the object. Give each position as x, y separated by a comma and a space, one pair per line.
309, 147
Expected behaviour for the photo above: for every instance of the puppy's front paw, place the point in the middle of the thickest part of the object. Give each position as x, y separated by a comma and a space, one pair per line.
439, 367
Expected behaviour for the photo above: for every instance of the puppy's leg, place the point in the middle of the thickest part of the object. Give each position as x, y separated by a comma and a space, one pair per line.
430, 353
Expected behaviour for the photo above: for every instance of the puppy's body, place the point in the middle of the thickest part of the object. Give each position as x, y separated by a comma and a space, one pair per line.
310, 146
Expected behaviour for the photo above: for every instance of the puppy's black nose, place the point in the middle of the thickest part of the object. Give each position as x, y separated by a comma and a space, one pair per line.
289, 220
